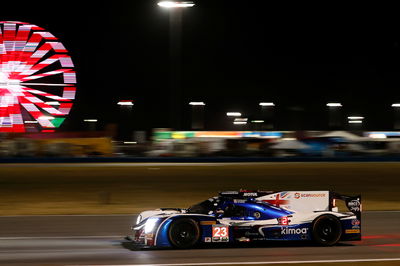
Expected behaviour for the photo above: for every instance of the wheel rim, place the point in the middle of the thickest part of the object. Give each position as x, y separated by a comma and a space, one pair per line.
327, 231
184, 234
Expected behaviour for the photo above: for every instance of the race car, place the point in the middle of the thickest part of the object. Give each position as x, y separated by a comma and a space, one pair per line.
252, 216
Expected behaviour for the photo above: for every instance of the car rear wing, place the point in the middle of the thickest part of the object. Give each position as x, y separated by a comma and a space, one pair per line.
353, 203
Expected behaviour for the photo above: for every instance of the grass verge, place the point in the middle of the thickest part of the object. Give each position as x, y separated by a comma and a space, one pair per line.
123, 188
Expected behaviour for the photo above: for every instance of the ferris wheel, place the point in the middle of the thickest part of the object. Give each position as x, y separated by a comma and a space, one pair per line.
37, 79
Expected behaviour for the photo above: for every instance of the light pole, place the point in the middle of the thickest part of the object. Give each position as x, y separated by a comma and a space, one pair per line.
91, 124
267, 114
355, 122
175, 9
257, 124
231, 118
240, 122
125, 126
197, 115
334, 113
396, 110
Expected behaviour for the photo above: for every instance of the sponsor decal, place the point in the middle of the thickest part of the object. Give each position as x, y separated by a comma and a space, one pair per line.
257, 215
251, 234
354, 205
352, 231
250, 194
293, 231
220, 239
313, 195
355, 222
207, 222
297, 195
229, 193
207, 239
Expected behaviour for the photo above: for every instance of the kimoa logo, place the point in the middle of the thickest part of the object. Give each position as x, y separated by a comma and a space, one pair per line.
293, 231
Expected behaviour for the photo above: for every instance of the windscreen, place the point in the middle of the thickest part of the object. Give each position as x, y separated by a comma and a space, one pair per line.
203, 207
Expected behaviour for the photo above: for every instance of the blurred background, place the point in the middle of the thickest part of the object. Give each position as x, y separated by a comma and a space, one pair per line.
109, 108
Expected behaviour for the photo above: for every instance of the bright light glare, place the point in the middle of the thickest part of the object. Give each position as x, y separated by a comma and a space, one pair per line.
233, 114
130, 142
334, 104
257, 121
89, 120
197, 103
377, 136
355, 117
240, 119
150, 224
396, 105
266, 104
125, 103
31, 122
239, 122
172, 4
355, 121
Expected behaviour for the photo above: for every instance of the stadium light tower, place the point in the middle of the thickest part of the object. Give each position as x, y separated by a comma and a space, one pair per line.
197, 109
175, 10
91, 123
355, 122
125, 119
334, 113
267, 115
396, 110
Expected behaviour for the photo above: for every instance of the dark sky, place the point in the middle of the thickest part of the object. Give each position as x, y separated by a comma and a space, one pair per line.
234, 55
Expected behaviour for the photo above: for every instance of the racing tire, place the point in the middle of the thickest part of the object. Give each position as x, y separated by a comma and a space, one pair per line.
184, 233
326, 230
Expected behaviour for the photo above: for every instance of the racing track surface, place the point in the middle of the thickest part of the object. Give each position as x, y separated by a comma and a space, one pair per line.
62, 240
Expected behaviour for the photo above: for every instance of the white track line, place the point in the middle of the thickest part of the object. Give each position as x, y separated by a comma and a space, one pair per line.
257, 262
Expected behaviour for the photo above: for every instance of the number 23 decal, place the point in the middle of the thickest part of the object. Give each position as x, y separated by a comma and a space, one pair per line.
220, 231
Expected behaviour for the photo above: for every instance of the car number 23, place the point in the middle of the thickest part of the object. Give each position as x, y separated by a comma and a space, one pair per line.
220, 231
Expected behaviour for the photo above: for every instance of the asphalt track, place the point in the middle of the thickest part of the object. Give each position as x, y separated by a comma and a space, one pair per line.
98, 240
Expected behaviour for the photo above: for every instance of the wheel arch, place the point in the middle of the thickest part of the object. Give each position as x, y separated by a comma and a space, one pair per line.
161, 235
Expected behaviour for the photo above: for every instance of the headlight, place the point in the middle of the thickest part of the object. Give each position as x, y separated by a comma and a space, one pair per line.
139, 219
150, 224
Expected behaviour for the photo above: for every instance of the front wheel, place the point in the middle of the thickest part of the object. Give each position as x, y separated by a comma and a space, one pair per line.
184, 233
326, 230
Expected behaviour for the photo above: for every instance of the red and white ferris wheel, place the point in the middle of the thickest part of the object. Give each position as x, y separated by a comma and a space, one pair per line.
37, 79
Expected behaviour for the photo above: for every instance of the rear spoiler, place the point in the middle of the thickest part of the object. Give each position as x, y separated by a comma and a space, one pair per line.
353, 203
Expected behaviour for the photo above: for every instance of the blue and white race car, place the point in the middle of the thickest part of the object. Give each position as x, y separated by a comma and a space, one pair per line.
251, 216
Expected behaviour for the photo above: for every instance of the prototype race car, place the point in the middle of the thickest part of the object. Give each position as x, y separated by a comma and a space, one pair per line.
251, 216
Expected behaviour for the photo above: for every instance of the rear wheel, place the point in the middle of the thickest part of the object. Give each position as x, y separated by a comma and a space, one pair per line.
184, 233
326, 230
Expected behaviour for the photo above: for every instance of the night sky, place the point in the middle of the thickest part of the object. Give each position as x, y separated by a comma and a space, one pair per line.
234, 55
